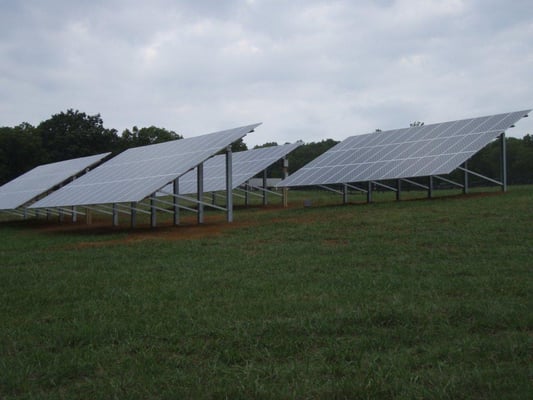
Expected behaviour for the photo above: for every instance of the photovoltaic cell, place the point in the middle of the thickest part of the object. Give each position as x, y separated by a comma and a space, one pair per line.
139, 172
425, 150
41, 179
245, 165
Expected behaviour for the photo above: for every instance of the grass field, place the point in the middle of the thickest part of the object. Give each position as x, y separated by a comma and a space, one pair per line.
426, 299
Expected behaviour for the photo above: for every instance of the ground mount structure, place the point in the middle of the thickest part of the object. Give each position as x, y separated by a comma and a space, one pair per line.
388, 159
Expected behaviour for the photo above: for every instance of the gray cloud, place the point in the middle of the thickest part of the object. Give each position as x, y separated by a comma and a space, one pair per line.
308, 69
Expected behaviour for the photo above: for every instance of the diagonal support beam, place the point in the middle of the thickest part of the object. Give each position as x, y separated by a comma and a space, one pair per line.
415, 183
481, 176
440, 178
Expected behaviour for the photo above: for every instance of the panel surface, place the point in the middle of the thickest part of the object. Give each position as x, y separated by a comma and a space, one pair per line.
245, 165
403, 153
138, 172
41, 179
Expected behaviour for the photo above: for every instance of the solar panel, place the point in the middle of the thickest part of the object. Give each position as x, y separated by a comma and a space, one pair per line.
403, 153
138, 172
245, 165
41, 179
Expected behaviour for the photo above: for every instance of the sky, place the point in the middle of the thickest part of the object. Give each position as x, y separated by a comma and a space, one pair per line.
308, 69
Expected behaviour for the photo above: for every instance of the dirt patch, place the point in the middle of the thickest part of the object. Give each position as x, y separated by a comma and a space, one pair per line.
188, 229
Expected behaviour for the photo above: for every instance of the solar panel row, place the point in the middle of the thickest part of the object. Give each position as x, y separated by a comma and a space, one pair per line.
403, 153
246, 164
41, 179
136, 173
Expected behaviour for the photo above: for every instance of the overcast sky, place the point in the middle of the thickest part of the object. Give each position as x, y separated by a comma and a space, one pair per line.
307, 69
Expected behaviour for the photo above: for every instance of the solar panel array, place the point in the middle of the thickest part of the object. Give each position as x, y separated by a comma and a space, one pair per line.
41, 179
138, 172
245, 165
403, 153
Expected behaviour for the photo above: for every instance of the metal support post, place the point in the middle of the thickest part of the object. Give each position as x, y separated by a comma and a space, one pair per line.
175, 201
369, 192
265, 183
74, 215
398, 189
465, 178
285, 190
115, 214
153, 212
133, 213
247, 189
88, 216
503, 162
229, 184
200, 192
61, 216
344, 193
25, 213
430, 187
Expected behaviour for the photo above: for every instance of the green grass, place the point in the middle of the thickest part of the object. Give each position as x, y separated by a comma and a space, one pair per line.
404, 300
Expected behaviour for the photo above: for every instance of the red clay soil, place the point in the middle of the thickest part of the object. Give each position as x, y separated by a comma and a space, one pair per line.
188, 229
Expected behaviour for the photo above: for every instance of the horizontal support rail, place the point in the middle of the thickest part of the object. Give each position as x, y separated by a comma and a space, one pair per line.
179, 205
195, 201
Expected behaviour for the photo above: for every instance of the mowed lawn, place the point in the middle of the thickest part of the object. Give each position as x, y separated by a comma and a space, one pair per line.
425, 299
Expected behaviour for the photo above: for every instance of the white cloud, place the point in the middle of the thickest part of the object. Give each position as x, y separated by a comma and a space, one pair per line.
307, 69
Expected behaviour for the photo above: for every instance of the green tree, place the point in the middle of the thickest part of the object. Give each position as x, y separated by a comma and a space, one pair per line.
299, 157
519, 160
20, 151
275, 170
308, 152
267, 144
73, 134
239, 145
145, 136
236, 146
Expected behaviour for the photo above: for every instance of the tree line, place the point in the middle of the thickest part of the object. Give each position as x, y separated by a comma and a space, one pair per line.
67, 135
73, 134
